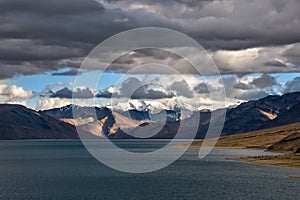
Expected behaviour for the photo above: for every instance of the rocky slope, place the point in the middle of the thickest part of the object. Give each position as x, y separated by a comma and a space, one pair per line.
101, 122
267, 112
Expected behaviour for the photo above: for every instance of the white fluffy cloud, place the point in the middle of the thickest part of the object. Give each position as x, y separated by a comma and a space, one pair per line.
14, 92
48, 103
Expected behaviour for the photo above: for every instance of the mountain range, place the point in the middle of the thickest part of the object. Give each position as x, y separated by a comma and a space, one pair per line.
19, 122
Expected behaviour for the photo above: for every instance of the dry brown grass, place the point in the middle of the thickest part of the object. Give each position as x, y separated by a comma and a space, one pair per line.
289, 160
261, 139
294, 176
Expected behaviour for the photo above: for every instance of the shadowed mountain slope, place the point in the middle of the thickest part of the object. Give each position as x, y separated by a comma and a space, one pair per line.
19, 122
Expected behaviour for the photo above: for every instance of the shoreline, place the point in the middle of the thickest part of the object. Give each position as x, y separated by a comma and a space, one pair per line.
282, 139
286, 159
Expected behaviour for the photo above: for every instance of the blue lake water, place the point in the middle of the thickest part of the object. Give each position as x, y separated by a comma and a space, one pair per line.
65, 170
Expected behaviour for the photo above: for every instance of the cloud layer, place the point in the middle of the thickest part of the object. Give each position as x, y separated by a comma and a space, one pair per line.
41, 35
170, 90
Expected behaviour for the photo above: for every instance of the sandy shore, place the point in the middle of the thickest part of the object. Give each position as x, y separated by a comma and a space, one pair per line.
294, 176
287, 160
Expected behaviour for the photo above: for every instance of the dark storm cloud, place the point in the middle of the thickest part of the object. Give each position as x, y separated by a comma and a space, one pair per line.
52, 20
230, 24
66, 93
145, 56
63, 93
264, 81
70, 72
104, 94
142, 93
154, 61
248, 89
31, 50
155, 53
51, 7
181, 88
41, 33
137, 89
292, 86
293, 54
243, 86
10, 69
202, 88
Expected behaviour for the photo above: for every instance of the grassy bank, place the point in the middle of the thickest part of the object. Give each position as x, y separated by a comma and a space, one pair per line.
286, 160
283, 138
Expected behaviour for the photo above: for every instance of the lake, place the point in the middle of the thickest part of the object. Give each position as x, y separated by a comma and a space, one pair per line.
51, 169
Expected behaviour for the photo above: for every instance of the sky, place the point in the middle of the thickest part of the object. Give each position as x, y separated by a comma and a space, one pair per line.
43, 43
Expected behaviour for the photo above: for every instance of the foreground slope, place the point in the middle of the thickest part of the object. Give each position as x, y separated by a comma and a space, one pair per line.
277, 138
285, 139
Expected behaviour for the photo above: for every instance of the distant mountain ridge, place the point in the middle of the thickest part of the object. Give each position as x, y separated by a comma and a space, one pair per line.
113, 124
267, 112
105, 118
17, 121
67, 112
